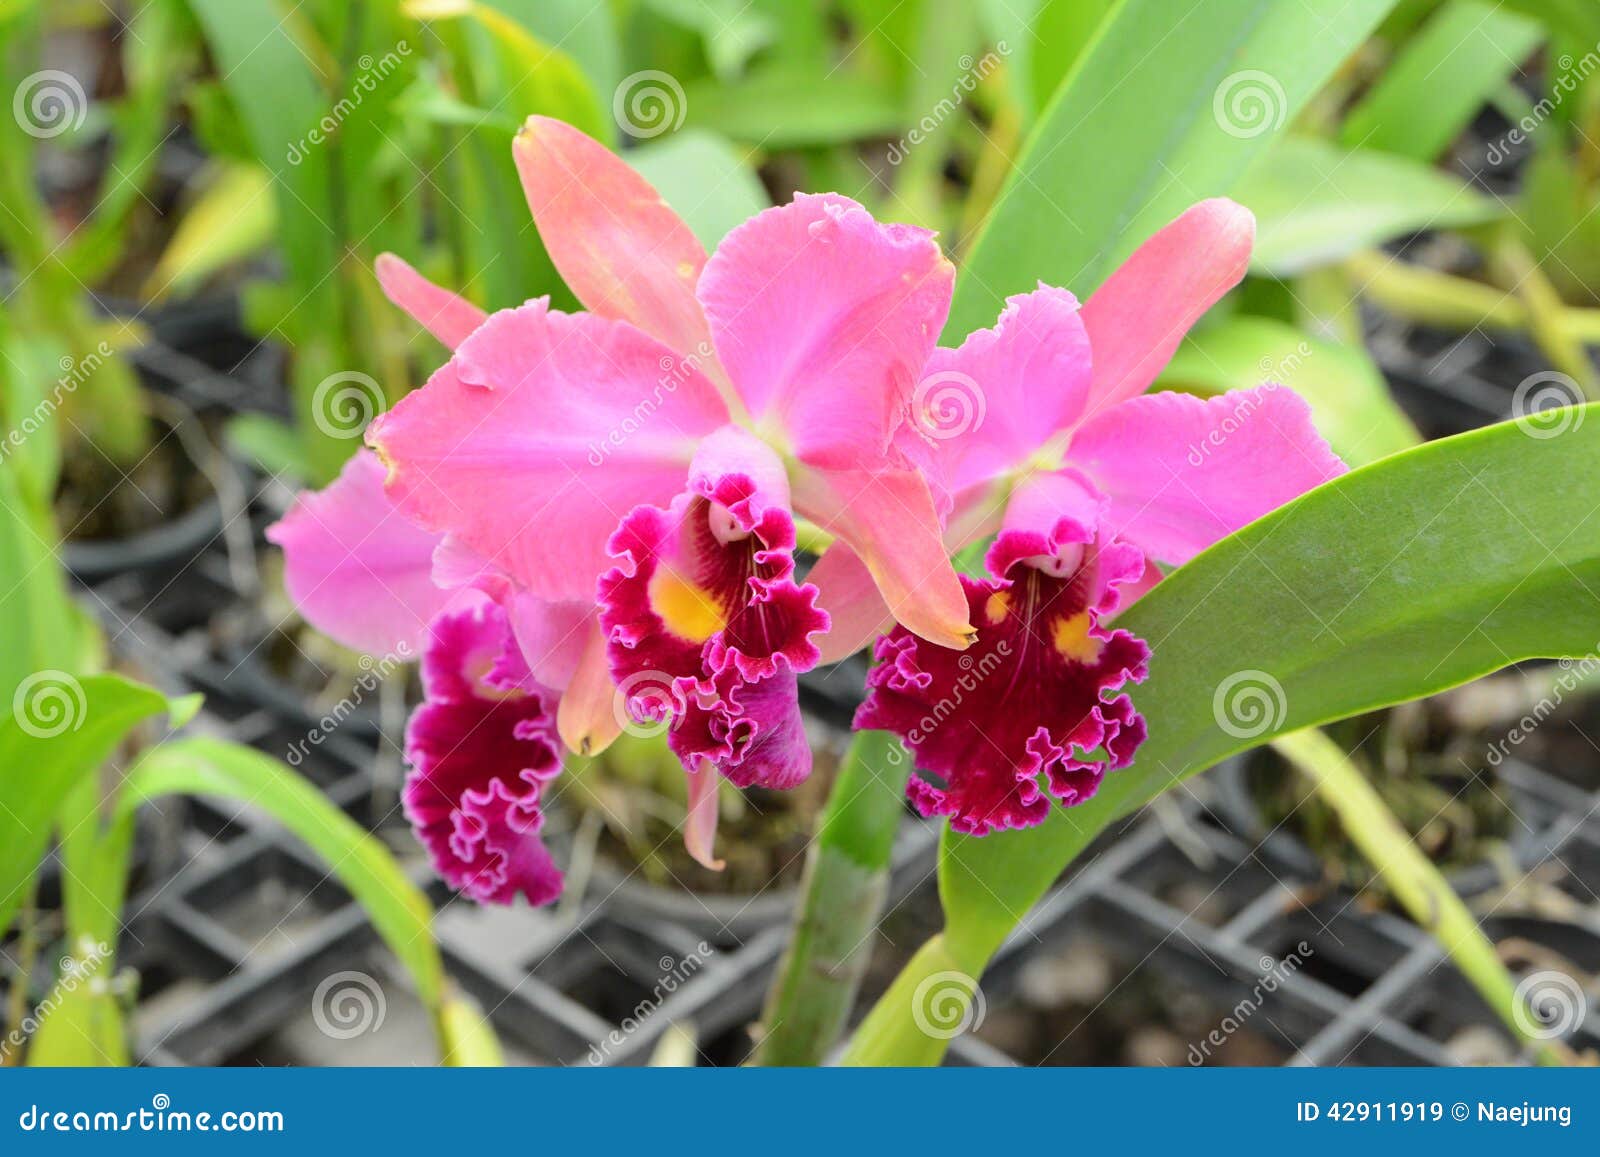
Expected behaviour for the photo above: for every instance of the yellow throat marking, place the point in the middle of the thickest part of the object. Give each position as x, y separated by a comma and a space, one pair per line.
689, 611
1072, 639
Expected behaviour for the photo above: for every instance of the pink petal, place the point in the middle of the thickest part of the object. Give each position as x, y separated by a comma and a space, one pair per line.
1182, 472
888, 518
700, 819
358, 569
447, 316
845, 590
550, 635
590, 716
618, 246
541, 432
983, 409
1138, 317
1056, 522
823, 319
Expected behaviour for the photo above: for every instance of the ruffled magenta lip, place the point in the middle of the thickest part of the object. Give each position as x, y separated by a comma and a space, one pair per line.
483, 750
1033, 711
720, 565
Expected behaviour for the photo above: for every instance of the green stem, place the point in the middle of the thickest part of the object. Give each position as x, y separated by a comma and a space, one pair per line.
1414, 879
1546, 314
846, 880
1432, 298
1428, 297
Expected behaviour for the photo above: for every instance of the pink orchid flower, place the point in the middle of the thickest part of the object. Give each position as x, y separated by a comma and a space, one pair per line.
1088, 484
650, 456
483, 745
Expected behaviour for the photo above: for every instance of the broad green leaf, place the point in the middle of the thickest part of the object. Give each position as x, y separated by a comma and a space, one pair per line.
82, 1027
586, 32
37, 376
467, 1038
784, 108
1350, 401
59, 729
1579, 20
1167, 105
1060, 31
1441, 79
398, 910
706, 180
1316, 203
1409, 576
38, 630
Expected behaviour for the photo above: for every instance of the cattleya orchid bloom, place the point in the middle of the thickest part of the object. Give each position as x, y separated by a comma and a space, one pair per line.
587, 517
648, 458
1088, 485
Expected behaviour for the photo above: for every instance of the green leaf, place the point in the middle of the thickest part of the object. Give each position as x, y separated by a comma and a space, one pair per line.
1316, 203
59, 730
1167, 105
468, 1040
1577, 19
706, 180
535, 76
1350, 401
1441, 79
732, 30
83, 1027
585, 31
786, 108
1406, 577
398, 909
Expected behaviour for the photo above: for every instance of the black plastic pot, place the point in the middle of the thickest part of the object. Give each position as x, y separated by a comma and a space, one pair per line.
1239, 809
